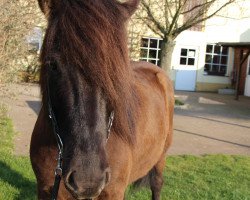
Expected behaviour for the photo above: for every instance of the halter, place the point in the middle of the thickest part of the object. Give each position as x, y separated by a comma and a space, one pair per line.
58, 170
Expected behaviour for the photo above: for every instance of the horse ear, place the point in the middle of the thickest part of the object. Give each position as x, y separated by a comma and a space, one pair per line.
47, 5
131, 6
44, 6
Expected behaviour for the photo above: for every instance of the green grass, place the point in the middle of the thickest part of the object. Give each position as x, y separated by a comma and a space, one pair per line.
211, 177
16, 176
178, 102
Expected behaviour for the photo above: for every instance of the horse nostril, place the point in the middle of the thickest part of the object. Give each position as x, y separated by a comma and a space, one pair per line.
70, 181
108, 175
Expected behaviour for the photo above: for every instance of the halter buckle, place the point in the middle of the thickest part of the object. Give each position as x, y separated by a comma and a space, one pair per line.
58, 171
111, 119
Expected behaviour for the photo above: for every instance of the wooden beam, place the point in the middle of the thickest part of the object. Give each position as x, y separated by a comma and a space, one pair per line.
242, 60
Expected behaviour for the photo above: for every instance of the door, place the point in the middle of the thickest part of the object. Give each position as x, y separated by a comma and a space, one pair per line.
186, 69
247, 83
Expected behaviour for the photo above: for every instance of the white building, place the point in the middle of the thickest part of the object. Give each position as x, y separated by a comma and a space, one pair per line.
199, 63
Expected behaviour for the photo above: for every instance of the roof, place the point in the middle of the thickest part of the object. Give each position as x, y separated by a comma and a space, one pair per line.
235, 44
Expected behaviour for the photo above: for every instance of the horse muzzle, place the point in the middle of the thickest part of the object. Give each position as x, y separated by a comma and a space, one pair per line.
82, 190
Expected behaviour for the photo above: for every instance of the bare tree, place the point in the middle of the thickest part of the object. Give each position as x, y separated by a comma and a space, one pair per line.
17, 20
168, 18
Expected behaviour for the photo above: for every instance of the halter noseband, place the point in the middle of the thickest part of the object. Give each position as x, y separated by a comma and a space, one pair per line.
58, 170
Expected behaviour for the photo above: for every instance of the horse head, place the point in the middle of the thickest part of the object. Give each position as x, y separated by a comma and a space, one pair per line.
83, 51
81, 114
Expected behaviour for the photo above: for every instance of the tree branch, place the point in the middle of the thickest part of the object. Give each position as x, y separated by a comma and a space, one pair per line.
197, 6
192, 21
175, 17
152, 18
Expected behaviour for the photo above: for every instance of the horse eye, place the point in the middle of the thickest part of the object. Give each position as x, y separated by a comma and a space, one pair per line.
53, 66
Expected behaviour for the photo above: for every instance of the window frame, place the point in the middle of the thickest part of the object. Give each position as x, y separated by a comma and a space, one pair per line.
213, 63
148, 48
188, 56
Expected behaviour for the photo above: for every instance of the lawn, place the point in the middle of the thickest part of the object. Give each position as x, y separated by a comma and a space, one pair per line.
211, 177
208, 177
17, 180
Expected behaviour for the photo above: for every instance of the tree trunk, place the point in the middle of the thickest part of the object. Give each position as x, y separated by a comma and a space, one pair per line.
167, 48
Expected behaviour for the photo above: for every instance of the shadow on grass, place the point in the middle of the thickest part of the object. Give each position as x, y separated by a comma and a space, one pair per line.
26, 187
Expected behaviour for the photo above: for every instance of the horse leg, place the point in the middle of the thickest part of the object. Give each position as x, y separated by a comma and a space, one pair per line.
156, 179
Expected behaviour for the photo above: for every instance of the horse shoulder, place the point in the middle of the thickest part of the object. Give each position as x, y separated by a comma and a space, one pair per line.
164, 83
167, 86
149, 70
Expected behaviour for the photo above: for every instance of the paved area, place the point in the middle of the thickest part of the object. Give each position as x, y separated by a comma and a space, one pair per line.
23, 102
208, 123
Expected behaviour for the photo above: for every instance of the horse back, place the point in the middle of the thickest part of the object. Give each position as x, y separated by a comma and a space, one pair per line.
155, 121
159, 85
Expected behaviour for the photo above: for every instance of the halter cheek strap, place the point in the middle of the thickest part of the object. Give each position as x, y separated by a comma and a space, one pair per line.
58, 170
111, 119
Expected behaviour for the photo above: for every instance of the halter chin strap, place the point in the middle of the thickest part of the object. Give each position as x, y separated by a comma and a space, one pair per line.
58, 170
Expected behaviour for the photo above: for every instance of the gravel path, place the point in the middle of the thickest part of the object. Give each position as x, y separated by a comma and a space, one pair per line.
23, 102
208, 123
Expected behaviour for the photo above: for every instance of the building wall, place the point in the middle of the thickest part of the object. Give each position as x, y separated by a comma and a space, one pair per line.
199, 40
230, 25
136, 31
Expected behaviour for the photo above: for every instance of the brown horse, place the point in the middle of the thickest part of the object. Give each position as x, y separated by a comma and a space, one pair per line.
85, 76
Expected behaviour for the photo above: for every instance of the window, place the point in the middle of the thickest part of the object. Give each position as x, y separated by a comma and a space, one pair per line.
187, 57
216, 60
150, 50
